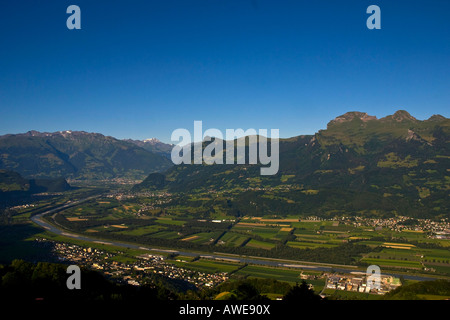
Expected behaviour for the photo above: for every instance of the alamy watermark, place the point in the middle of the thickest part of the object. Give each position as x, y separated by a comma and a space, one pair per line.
74, 20
213, 153
373, 274
74, 280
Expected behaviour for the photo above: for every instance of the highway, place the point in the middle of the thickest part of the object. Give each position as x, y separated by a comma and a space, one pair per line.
38, 219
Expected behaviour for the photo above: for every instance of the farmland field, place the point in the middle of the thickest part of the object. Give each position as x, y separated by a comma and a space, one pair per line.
393, 263
311, 245
184, 226
166, 235
233, 239
271, 273
210, 266
260, 244
346, 295
143, 230
407, 253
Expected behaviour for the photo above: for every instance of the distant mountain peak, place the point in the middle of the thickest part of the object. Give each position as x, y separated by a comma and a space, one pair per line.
65, 133
400, 116
33, 133
349, 116
153, 145
436, 117
152, 140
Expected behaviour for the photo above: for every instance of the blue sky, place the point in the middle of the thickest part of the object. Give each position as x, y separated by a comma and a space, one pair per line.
141, 69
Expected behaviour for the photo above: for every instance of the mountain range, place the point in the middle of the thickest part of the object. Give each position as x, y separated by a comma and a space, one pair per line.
393, 165
77, 155
396, 164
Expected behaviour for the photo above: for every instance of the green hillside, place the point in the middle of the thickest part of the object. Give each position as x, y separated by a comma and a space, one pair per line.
423, 290
12, 182
358, 165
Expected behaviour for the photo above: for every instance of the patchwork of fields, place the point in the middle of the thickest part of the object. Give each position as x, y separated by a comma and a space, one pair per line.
404, 252
407, 250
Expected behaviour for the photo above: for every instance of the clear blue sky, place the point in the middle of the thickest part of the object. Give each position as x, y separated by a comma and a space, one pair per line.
140, 69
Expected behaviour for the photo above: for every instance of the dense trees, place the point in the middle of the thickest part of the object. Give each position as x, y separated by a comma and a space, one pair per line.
259, 286
25, 281
419, 290
301, 293
255, 289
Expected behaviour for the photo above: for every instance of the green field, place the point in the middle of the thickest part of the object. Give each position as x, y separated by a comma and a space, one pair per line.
170, 221
142, 230
209, 266
349, 295
263, 232
166, 234
432, 297
439, 267
203, 237
233, 239
287, 275
311, 245
393, 263
260, 244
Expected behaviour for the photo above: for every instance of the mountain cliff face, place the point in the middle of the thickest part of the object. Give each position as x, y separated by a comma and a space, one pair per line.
78, 155
396, 164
